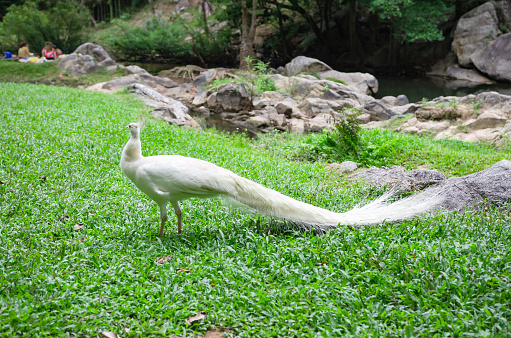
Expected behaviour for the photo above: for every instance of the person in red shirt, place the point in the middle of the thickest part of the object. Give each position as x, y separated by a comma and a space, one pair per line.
48, 51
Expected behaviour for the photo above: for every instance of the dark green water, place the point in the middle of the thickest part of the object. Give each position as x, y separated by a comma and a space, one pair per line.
430, 87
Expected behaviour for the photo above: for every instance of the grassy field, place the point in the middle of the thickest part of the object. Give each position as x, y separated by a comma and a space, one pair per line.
445, 275
50, 73
388, 148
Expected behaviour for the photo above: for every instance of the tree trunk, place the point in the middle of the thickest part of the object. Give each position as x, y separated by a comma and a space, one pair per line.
355, 45
152, 7
204, 17
111, 7
247, 34
282, 35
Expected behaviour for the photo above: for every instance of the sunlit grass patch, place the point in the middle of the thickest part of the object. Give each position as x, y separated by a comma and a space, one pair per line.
444, 275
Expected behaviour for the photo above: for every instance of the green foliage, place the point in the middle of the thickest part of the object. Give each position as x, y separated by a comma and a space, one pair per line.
255, 79
344, 140
333, 79
413, 20
62, 24
159, 38
155, 37
387, 148
262, 80
443, 275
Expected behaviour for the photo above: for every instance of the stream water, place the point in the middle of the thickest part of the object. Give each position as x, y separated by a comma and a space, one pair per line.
417, 88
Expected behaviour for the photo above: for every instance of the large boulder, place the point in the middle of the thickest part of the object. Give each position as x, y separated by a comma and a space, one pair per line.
495, 59
363, 82
504, 13
232, 97
160, 84
490, 185
77, 64
449, 68
398, 176
304, 64
87, 58
97, 52
473, 31
165, 108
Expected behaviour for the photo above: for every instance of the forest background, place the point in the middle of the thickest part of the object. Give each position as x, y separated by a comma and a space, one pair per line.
378, 36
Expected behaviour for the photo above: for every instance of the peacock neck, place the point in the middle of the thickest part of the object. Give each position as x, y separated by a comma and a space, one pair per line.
132, 150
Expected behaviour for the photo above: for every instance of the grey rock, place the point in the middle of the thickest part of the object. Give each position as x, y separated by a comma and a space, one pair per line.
307, 65
378, 111
233, 97
494, 60
296, 126
348, 166
473, 31
166, 108
204, 78
406, 109
96, 51
159, 84
398, 176
492, 185
363, 82
78, 64
342, 168
504, 13
320, 122
401, 100
487, 120
136, 70
87, 58
461, 77
389, 100
200, 98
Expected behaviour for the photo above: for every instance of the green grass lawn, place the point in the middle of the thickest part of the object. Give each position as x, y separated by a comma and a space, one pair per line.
388, 148
437, 276
50, 73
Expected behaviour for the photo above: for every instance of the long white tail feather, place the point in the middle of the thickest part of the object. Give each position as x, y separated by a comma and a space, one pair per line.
274, 204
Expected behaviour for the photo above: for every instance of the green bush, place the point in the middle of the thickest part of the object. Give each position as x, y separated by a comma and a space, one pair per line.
62, 24
343, 142
164, 39
155, 37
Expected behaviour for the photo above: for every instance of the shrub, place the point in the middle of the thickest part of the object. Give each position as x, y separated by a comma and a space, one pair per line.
62, 24
343, 142
169, 40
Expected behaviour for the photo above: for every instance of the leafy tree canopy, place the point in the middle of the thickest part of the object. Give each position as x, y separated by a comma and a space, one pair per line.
62, 24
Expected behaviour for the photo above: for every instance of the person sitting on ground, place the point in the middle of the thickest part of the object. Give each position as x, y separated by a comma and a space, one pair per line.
24, 52
48, 52
58, 52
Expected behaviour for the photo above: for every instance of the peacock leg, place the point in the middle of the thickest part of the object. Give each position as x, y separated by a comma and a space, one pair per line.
163, 216
177, 209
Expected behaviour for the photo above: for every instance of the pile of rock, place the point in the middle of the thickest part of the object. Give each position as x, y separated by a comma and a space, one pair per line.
315, 95
480, 49
482, 117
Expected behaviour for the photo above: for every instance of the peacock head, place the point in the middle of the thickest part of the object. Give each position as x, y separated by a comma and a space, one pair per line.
135, 128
